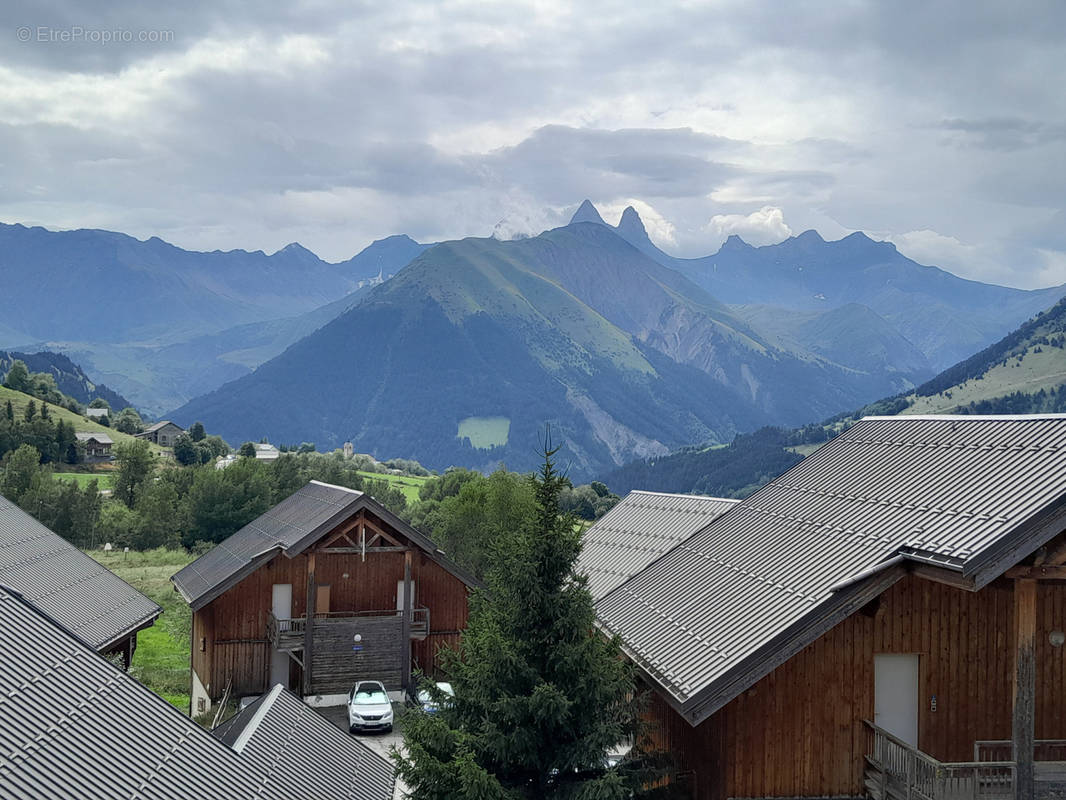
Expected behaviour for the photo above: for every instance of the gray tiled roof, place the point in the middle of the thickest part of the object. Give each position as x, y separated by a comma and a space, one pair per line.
963, 493
85, 597
280, 729
75, 726
638, 530
315, 508
102, 438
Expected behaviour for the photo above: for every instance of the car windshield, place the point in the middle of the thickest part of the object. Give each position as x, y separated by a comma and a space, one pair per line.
370, 696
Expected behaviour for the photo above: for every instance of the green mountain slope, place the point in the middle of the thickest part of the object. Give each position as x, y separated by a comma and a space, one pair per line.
574, 328
1023, 373
943, 316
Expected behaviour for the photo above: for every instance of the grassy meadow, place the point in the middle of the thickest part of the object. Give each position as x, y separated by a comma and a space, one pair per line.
104, 480
161, 661
485, 432
408, 484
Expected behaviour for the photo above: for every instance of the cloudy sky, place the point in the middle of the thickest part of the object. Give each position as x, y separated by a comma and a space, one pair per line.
222, 124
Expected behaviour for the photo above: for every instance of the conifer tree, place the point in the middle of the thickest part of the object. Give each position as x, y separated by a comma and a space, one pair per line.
541, 697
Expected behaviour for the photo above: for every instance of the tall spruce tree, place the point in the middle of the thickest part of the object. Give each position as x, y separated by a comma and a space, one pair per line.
541, 697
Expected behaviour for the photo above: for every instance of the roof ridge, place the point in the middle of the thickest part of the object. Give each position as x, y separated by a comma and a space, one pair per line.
683, 494
249, 730
335, 486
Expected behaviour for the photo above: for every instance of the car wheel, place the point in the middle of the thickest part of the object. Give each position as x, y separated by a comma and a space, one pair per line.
351, 729
388, 729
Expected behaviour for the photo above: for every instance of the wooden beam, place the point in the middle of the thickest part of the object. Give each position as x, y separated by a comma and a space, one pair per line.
309, 625
342, 533
1024, 687
1056, 555
381, 533
408, 602
357, 550
1040, 573
945, 576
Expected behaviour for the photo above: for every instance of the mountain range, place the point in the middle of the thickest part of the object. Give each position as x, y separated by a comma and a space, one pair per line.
163, 324
473, 346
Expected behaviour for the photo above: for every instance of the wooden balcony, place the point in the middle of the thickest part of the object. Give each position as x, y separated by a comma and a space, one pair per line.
288, 634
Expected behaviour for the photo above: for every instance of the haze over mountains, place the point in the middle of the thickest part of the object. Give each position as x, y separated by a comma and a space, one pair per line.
592, 329
141, 315
474, 345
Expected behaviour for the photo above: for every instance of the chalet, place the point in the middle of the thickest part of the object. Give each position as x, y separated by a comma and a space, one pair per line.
97, 446
266, 452
323, 589
886, 619
60, 581
163, 433
75, 726
97, 413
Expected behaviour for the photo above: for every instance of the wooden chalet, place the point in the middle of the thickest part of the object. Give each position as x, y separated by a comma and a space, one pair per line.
163, 433
326, 588
884, 620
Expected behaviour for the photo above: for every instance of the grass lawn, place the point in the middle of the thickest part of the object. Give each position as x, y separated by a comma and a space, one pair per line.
161, 661
103, 479
408, 484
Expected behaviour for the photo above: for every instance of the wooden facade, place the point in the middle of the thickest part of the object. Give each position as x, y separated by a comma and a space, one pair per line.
799, 732
354, 591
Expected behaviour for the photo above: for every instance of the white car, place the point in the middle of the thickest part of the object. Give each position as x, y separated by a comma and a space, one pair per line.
428, 704
369, 707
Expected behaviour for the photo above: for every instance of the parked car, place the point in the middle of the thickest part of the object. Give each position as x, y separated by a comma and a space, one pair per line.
426, 701
369, 707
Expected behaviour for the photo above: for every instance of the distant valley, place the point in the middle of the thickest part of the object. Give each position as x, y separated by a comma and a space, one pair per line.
473, 346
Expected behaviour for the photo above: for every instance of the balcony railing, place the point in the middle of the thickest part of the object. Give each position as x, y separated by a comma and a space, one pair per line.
1003, 750
898, 771
288, 634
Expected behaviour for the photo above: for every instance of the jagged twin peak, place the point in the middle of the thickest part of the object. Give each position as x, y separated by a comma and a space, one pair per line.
630, 227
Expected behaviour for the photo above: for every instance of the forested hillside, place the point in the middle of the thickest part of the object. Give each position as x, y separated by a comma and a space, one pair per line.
1023, 373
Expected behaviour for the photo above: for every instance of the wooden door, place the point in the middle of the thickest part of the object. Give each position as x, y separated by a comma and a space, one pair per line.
896, 695
281, 606
322, 599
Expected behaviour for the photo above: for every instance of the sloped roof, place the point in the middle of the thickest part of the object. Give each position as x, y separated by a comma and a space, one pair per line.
967, 494
313, 753
159, 426
289, 527
96, 412
83, 596
638, 530
76, 726
102, 438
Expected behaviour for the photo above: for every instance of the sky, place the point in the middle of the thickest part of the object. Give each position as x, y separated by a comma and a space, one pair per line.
221, 124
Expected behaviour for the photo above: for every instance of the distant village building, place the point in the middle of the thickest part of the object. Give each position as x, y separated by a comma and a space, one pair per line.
97, 413
349, 451
163, 433
97, 446
266, 452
